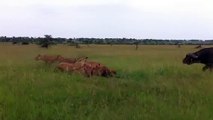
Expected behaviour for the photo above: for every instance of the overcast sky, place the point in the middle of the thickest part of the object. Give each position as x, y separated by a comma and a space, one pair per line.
158, 19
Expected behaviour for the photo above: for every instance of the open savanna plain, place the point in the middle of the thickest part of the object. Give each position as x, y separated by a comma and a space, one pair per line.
151, 83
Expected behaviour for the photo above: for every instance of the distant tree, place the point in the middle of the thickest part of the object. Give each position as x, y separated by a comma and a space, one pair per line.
46, 41
87, 43
77, 45
136, 45
110, 43
178, 45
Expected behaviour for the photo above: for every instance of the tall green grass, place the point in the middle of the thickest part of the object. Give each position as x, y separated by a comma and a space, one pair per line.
152, 83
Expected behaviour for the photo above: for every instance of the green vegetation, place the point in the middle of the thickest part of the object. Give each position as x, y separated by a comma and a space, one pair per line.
152, 83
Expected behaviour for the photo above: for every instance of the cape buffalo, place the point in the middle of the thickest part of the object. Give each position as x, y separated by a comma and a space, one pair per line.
203, 56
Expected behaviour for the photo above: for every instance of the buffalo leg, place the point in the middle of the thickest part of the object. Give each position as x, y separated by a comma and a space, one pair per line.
211, 68
205, 68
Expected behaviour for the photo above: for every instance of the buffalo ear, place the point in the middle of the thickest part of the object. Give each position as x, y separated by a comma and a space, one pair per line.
193, 55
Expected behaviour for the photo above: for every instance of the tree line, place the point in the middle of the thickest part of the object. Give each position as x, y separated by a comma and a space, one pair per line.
48, 39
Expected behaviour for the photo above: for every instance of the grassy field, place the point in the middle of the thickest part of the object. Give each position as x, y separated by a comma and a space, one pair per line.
151, 84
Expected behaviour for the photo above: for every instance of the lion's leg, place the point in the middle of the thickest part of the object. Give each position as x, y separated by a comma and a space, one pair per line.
211, 68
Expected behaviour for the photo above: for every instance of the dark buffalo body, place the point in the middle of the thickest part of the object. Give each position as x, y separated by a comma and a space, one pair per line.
204, 56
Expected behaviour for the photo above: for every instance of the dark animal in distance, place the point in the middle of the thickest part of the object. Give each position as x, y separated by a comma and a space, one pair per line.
203, 56
25, 43
14, 42
45, 45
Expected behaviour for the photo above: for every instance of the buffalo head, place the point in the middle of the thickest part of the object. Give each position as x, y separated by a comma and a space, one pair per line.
190, 59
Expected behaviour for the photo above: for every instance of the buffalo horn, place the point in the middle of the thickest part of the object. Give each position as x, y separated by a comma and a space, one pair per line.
193, 55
